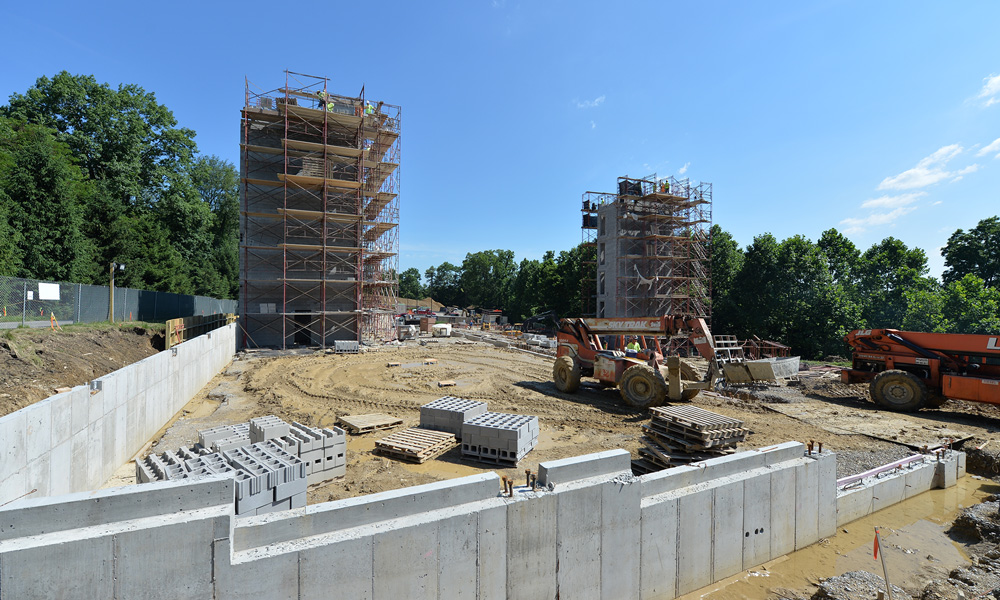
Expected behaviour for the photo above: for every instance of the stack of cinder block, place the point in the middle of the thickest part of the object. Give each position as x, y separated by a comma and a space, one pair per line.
267, 477
448, 414
499, 437
259, 454
346, 347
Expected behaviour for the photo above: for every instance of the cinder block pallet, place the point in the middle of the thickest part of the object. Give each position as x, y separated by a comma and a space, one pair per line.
356, 424
415, 444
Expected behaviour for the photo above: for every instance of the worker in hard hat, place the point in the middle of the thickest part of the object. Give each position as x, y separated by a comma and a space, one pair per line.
369, 108
632, 349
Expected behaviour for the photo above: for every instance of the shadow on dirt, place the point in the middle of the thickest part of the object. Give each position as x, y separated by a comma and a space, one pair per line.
608, 400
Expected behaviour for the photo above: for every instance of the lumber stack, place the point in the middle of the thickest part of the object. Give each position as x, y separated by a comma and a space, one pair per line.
679, 435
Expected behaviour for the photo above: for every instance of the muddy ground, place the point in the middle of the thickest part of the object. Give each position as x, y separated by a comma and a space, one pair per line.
35, 362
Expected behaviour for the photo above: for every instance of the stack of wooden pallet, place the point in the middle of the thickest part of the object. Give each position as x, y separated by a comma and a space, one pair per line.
678, 435
415, 444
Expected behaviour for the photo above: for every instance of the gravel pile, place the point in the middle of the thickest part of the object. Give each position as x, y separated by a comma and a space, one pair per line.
855, 585
852, 462
979, 522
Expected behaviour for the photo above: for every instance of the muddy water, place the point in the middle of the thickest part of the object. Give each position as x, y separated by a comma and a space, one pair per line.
914, 542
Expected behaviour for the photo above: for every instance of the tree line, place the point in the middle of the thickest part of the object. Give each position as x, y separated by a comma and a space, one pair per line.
805, 294
91, 174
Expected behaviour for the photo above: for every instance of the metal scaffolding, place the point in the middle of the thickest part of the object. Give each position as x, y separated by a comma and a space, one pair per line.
319, 221
652, 242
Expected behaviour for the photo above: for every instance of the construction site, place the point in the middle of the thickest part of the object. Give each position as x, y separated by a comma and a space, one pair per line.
318, 445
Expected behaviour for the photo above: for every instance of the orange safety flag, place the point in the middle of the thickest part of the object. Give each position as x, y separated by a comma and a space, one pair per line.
875, 547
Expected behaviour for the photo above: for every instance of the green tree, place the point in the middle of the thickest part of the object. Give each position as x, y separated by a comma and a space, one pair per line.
887, 271
524, 295
409, 284
444, 284
970, 306
487, 277
726, 262
842, 257
41, 187
975, 252
217, 183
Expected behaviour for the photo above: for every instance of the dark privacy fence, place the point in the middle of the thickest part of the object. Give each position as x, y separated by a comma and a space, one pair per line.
33, 302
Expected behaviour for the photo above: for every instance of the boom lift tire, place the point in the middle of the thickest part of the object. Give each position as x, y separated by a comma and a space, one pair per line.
899, 391
642, 387
566, 374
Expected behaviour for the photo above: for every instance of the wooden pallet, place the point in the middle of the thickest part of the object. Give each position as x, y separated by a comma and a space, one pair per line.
702, 438
695, 418
430, 361
415, 444
447, 383
394, 364
688, 445
356, 424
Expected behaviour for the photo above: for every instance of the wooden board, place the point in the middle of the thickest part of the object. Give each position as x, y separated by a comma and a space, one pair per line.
446, 383
695, 418
356, 424
186, 328
415, 444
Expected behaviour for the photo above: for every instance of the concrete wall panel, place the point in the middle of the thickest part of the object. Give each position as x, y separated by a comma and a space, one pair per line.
531, 548
493, 552
806, 503
406, 563
658, 548
727, 529
694, 539
457, 556
782, 511
620, 540
578, 541
756, 520
345, 566
80, 568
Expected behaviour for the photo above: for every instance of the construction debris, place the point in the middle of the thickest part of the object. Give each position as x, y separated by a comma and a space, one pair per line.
680, 435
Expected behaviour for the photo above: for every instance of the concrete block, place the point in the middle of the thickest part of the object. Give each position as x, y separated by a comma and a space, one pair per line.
578, 541
827, 495
457, 557
757, 520
492, 536
658, 555
531, 536
298, 500
727, 529
406, 561
806, 503
732, 464
289, 489
273, 575
961, 463
888, 490
80, 407
620, 539
918, 479
694, 538
783, 503
79, 461
669, 480
347, 562
38, 429
783, 452
61, 468
13, 450
142, 567
854, 504
582, 467
63, 570
62, 417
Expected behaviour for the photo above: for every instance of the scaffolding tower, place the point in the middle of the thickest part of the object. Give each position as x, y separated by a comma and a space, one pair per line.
652, 241
319, 221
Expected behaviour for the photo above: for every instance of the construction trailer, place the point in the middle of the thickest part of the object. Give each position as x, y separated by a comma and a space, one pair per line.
319, 220
649, 249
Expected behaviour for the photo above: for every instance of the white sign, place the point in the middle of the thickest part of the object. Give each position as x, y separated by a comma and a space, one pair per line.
31, 295
48, 291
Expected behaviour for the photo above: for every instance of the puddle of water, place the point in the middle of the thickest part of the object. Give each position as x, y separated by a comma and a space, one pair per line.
915, 546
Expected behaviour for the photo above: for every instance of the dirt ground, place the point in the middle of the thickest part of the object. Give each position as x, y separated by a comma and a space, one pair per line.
35, 362
316, 388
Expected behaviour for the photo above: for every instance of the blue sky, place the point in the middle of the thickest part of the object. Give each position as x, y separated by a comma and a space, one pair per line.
877, 118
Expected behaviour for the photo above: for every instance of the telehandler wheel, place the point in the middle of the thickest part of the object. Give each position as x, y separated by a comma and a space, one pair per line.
934, 400
566, 374
642, 387
898, 390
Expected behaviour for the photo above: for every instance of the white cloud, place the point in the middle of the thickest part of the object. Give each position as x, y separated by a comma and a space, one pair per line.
990, 94
593, 125
683, 169
928, 171
591, 103
893, 201
993, 146
936, 202
860, 224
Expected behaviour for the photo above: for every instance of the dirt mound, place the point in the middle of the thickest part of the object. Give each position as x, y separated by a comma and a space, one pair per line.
34, 362
855, 585
979, 522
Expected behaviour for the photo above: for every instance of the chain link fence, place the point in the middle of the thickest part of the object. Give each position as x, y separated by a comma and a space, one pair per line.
33, 303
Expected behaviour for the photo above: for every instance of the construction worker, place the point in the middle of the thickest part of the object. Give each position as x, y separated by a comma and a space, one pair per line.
369, 109
632, 349
325, 100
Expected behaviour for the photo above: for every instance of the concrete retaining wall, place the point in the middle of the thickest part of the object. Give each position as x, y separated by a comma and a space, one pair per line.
593, 531
75, 441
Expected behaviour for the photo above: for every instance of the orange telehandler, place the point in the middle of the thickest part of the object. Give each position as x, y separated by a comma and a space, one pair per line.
647, 379
909, 370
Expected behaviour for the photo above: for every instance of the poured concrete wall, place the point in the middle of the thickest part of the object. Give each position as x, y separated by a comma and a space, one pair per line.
591, 531
75, 441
